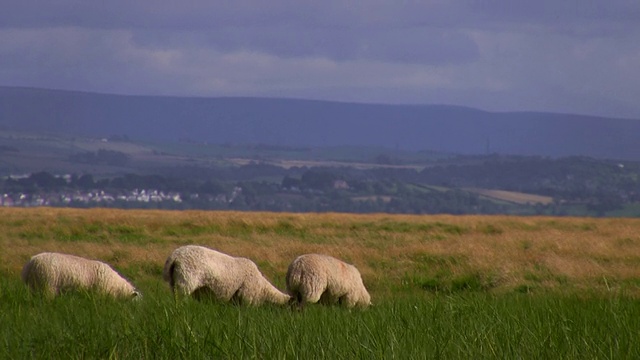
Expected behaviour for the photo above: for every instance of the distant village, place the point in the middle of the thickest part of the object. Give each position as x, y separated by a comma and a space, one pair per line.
116, 198
89, 198
103, 198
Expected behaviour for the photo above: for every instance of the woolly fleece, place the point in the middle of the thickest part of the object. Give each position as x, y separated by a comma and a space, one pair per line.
190, 269
53, 273
313, 278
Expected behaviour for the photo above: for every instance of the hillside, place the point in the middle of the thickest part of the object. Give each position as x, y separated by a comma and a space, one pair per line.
289, 122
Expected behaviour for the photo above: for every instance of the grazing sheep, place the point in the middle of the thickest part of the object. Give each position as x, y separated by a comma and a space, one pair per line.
313, 278
53, 273
192, 270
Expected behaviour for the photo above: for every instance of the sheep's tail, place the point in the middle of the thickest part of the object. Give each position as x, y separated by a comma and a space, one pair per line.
294, 279
168, 273
26, 272
296, 301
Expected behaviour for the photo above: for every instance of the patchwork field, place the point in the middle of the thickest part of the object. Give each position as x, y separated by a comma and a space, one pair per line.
514, 197
442, 286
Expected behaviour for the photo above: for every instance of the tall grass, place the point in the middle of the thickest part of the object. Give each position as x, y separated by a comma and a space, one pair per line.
466, 325
442, 287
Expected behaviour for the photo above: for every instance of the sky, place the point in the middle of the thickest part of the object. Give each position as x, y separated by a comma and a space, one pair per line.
569, 56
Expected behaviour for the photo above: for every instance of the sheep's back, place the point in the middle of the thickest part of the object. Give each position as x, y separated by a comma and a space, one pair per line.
59, 270
201, 261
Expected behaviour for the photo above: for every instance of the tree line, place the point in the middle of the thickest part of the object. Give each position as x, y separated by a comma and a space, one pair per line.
588, 186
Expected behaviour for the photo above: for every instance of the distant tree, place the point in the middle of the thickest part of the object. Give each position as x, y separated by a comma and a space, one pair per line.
211, 187
318, 180
289, 182
47, 181
85, 182
604, 204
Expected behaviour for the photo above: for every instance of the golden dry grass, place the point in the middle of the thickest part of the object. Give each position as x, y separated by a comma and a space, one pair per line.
505, 252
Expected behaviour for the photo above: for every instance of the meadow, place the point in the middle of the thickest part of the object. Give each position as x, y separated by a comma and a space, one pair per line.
442, 286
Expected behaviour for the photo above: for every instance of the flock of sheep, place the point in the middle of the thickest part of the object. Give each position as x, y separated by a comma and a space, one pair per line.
193, 270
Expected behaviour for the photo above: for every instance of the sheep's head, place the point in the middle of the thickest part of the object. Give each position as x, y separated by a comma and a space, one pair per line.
365, 298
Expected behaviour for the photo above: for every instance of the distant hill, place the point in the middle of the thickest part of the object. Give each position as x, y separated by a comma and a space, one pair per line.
290, 122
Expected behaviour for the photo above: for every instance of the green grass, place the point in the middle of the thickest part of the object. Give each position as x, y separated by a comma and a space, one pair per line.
442, 287
422, 325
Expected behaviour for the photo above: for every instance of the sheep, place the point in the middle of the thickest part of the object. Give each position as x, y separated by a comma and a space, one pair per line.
194, 270
313, 278
53, 273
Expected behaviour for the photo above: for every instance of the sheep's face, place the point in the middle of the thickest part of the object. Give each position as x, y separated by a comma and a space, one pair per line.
137, 295
365, 299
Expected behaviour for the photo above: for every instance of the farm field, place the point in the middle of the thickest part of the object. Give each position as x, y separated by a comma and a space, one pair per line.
511, 196
442, 286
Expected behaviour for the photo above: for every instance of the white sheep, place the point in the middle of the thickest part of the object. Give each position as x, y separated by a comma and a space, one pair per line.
313, 278
193, 270
53, 273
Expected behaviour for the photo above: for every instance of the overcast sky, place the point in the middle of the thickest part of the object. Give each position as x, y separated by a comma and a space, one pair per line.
577, 56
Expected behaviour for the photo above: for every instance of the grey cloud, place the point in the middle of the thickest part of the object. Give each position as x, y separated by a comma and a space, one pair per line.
572, 17
341, 31
493, 54
187, 15
382, 30
429, 46
415, 45
551, 11
203, 14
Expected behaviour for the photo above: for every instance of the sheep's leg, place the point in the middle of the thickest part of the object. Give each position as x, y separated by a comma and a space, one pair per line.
182, 289
50, 291
237, 298
181, 285
45, 288
310, 294
328, 298
348, 300
297, 302
220, 291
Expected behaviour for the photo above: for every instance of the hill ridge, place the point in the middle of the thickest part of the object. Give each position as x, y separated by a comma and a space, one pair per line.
309, 122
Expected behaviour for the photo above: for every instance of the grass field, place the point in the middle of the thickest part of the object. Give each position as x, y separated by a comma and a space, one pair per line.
442, 286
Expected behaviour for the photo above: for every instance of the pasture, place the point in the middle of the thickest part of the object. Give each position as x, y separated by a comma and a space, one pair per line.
442, 286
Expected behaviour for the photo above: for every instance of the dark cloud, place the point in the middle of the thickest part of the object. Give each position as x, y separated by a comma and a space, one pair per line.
552, 55
426, 46
201, 14
557, 12
289, 29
